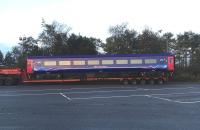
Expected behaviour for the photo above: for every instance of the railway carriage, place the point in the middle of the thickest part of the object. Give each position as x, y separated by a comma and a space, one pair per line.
134, 68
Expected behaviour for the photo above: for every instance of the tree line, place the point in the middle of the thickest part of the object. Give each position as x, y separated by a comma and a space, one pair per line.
56, 39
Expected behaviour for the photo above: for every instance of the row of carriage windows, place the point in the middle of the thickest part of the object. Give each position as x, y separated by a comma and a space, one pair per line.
99, 62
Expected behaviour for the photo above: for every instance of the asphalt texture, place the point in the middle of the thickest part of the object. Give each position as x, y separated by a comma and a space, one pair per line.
100, 107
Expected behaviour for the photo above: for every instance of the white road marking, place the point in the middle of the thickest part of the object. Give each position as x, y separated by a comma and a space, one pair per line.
41, 90
64, 89
167, 88
176, 101
68, 98
163, 94
128, 90
16, 95
109, 97
6, 113
100, 91
102, 88
128, 96
192, 102
137, 89
156, 95
88, 98
166, 99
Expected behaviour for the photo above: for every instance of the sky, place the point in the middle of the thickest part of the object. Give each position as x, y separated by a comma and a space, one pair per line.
93, 18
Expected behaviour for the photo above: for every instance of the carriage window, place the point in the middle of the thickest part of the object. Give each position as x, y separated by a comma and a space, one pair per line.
107, 62
93, 62
150, 61
64, 62
49, 63
79, 62
136, 61
121, 61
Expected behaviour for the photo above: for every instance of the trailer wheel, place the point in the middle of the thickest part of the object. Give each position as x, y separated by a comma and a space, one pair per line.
160, 81
125, 82
151, 82
142, 82
133, 82
16, 81
1, 82
9, 81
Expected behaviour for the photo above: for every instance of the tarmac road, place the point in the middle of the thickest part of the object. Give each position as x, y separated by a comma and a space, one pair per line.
100, 107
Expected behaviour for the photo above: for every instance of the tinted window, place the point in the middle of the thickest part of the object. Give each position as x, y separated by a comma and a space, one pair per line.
150, 61
121, 61
136, 61
107, 62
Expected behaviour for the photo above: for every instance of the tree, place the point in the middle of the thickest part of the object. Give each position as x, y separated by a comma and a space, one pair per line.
150, 42
1, 58
82, 45
9, 59
187, 52
121, 41
53, 38
187, 46
196, 63
168, 41
27, 47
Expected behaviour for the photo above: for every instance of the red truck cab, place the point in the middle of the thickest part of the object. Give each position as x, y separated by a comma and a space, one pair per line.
9, 75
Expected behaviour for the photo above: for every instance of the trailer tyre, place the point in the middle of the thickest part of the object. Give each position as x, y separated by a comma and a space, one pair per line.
125, 82
151, 82
9, 81
133, 82
160, 81
142, 82
1, 82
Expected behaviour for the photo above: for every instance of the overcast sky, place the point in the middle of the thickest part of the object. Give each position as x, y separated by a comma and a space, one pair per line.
94, 17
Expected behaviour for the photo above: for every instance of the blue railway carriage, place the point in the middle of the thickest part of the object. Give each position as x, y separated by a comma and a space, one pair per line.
135, 68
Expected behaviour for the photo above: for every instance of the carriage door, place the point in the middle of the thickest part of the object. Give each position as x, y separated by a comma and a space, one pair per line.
171, 63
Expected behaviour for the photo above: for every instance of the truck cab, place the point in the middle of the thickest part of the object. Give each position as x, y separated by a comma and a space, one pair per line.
9, 75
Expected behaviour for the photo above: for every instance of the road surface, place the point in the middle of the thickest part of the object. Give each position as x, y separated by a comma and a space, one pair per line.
100, 107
